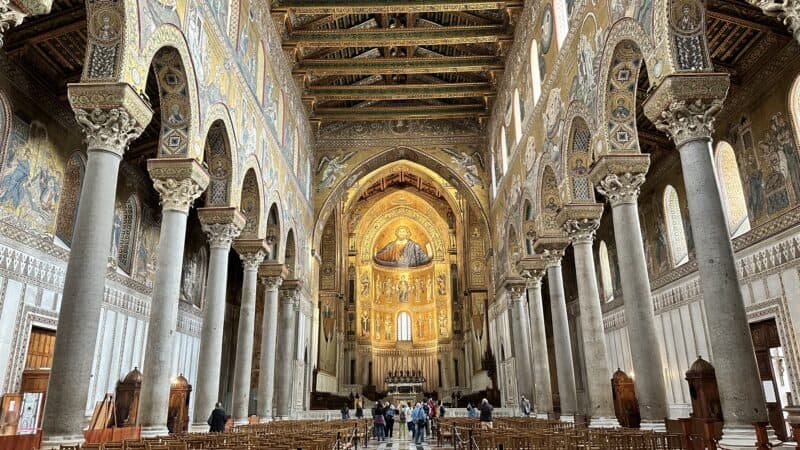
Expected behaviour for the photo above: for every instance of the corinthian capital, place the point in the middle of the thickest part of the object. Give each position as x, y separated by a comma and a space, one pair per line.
9, 17
581, 230
621, 189
553, 258
110, 114
221, 235
179, 181
252, 252
272, 283
684, 106
250, 261
787, 11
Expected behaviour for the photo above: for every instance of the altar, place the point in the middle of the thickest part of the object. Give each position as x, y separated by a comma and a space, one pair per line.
404, 386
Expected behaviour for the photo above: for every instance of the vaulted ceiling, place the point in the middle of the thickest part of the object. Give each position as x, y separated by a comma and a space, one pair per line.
396, 59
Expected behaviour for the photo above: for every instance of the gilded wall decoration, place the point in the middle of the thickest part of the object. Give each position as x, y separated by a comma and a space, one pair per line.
687, 22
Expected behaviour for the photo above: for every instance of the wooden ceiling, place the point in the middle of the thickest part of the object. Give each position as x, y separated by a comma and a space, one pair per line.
370, 60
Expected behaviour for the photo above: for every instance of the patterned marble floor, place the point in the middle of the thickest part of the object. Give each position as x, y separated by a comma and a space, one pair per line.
397, 443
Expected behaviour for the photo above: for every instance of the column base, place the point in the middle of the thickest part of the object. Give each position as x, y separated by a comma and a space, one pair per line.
603, 422
653, 425
154, 431
737, 437
238, 422
567, 418
265, 419
55, 442
201, 427
542, 416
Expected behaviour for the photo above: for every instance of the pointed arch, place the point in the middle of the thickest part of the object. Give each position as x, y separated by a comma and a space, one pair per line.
528, 224
514, 250
550, 200
70, 197
218, 157
273, 231
578, 160
129, 231
730, 183
250, 205
290, 255
678, 246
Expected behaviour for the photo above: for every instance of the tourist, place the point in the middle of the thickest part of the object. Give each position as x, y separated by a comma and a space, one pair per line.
216, 421
420, 419
430, 424
486, 415
379, 422
525, 405
345, 412
471, 411
407, 414
442, 409
389, 415
359, 407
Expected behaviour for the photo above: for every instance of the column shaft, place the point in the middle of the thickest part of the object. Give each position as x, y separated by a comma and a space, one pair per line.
543, 393
563, 346
598, 377
522, 350
645, 348
269, 338
740, 389
81, 301
285, 359
157, 376
244, 343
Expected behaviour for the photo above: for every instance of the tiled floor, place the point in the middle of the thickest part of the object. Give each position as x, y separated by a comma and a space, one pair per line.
397, 443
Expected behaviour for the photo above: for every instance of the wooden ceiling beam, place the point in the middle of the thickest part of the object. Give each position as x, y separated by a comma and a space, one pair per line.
399, 37
399, 91
401, 112
388, 6
363, 66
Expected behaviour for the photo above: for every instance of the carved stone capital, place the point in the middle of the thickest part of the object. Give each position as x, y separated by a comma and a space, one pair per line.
515, 287
252, 252
621, 189
684, 106
110, 114
553, 258
221, 235
534, 277
787, 11
581, 230
179, 181
10, 17
290, 296
272, 283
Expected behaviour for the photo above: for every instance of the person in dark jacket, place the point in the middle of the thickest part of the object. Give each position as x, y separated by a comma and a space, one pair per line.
216, 421
486, 415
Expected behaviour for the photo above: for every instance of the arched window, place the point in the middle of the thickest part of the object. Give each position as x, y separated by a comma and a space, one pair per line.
404, 326
605, 273
536, 73
517, 117
730, 183
504, 149
562, 21
675, 231
70, 196
129, 228
493, 159
260, 72
529, 224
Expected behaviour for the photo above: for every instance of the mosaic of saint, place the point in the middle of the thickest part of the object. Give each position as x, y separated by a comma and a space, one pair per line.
403, 251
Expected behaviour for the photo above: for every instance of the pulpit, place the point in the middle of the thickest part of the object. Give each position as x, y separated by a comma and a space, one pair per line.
703, 389
178, 412
626, 407
127, 401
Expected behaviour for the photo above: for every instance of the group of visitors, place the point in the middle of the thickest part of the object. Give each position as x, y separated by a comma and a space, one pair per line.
483, 412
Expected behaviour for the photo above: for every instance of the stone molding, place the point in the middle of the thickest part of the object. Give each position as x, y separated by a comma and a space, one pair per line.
787, 11
621, 189
685, 106
179, 181
582, 231
110, 114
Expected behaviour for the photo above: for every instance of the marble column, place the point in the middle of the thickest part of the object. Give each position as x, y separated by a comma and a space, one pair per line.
689, 122
542, 392
581, 223
622, 192
252, 252
222, 226
515, 289
563, 347
13, 13
284, 364
272, 277
179, 182
108, 131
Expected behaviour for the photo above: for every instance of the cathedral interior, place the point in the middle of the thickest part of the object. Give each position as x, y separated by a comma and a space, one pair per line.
584, 210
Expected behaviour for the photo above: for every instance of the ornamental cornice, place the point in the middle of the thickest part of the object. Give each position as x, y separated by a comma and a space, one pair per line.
685, 106
179, 181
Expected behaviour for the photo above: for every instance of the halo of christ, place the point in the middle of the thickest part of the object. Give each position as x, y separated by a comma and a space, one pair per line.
402, 252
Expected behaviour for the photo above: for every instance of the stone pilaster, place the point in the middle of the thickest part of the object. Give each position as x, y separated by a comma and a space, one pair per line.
271, 276
787, 11
684, 107
12, 13
252, 252
580, 223
179, 181
619, 178
111, 116
222, 226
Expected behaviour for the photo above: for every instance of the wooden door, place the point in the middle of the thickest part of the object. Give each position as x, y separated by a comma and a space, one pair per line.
38, 361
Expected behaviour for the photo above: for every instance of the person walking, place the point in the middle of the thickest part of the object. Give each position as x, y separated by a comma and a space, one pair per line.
486, 415
389, 415
407, 415
420, 418
525, 405
216, 421
359, 408
379, 422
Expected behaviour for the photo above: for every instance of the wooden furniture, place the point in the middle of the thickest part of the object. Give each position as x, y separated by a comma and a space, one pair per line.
703, 389
626, 407
178, 412
9, 417
127, 398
